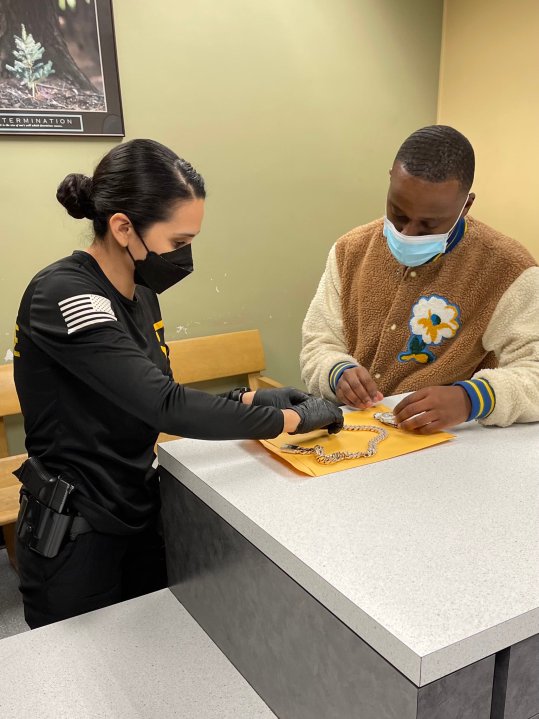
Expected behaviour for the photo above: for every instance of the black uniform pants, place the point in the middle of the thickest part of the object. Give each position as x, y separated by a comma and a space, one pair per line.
90, 572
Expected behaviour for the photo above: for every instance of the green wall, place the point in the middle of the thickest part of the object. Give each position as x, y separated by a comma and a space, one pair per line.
291, 109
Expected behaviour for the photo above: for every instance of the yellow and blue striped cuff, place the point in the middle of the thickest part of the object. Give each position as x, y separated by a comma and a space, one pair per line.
336, 372
481, 396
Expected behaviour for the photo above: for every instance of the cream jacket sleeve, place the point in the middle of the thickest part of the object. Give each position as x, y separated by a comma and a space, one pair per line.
323, 343
513, 335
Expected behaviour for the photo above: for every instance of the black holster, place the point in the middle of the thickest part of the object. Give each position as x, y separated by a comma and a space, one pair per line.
44, 517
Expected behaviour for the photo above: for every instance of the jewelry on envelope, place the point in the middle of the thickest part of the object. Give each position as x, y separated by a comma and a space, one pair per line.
386, 418
323, 458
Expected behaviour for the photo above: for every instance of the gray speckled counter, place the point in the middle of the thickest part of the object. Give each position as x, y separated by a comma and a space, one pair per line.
431, 558
142, 659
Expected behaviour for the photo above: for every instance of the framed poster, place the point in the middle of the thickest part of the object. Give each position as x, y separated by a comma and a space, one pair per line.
58, 68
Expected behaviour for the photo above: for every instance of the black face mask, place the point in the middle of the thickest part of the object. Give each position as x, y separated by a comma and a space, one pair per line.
159, 272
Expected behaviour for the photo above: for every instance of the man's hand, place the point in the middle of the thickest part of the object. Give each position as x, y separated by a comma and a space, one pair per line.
357, 388
432, 409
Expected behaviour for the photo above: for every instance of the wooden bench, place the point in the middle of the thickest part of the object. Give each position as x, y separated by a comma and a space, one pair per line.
200, 359
9, 484
222, 356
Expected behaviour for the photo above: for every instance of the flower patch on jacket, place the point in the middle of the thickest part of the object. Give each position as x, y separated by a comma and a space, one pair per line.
434, 319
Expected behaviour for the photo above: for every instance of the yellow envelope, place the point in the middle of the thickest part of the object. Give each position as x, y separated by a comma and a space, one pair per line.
397, 443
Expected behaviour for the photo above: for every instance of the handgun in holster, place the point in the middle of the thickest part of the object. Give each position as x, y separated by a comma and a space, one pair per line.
44, 518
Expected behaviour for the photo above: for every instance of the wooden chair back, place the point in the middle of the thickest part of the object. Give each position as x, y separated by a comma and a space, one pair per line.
219, 356
9, 403
9, 485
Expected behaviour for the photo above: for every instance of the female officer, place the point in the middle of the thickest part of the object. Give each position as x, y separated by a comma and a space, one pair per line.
95, 386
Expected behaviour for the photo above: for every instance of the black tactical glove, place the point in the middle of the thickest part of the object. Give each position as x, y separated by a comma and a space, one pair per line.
281, 397
318, 414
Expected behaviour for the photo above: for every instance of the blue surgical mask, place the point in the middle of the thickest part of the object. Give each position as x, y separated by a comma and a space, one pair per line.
413, 251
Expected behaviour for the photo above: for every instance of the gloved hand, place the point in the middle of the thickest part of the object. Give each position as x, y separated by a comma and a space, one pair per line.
281, 397
318, 414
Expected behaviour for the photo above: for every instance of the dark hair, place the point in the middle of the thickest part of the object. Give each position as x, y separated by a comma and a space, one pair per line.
141, 178
438, 153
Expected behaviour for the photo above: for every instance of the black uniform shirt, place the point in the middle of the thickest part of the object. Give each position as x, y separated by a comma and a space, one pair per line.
94, 382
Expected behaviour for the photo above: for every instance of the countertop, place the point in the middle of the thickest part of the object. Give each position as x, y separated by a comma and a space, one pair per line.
141, 659
432, 558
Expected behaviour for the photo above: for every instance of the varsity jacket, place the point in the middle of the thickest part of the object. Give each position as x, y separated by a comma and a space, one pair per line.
468, 317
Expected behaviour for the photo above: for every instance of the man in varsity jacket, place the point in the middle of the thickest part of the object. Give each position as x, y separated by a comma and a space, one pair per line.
430, 301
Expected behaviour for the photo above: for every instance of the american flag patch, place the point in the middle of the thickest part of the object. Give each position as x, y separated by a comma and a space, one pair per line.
84, 310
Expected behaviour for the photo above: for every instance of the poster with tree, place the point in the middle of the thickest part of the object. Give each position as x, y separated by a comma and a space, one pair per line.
58, 68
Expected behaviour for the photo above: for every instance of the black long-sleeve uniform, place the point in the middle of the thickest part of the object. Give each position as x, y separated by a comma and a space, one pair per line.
94, 382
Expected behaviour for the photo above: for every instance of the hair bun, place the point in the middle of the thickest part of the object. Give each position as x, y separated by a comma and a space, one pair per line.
75, 194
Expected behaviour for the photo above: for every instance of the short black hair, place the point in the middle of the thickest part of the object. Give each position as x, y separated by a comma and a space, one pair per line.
438, 153
141, 178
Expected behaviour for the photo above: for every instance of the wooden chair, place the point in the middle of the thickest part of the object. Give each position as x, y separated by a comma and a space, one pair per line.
218, 357
9, 485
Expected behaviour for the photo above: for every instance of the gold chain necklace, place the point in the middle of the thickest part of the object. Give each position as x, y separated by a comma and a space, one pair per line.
323, 458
